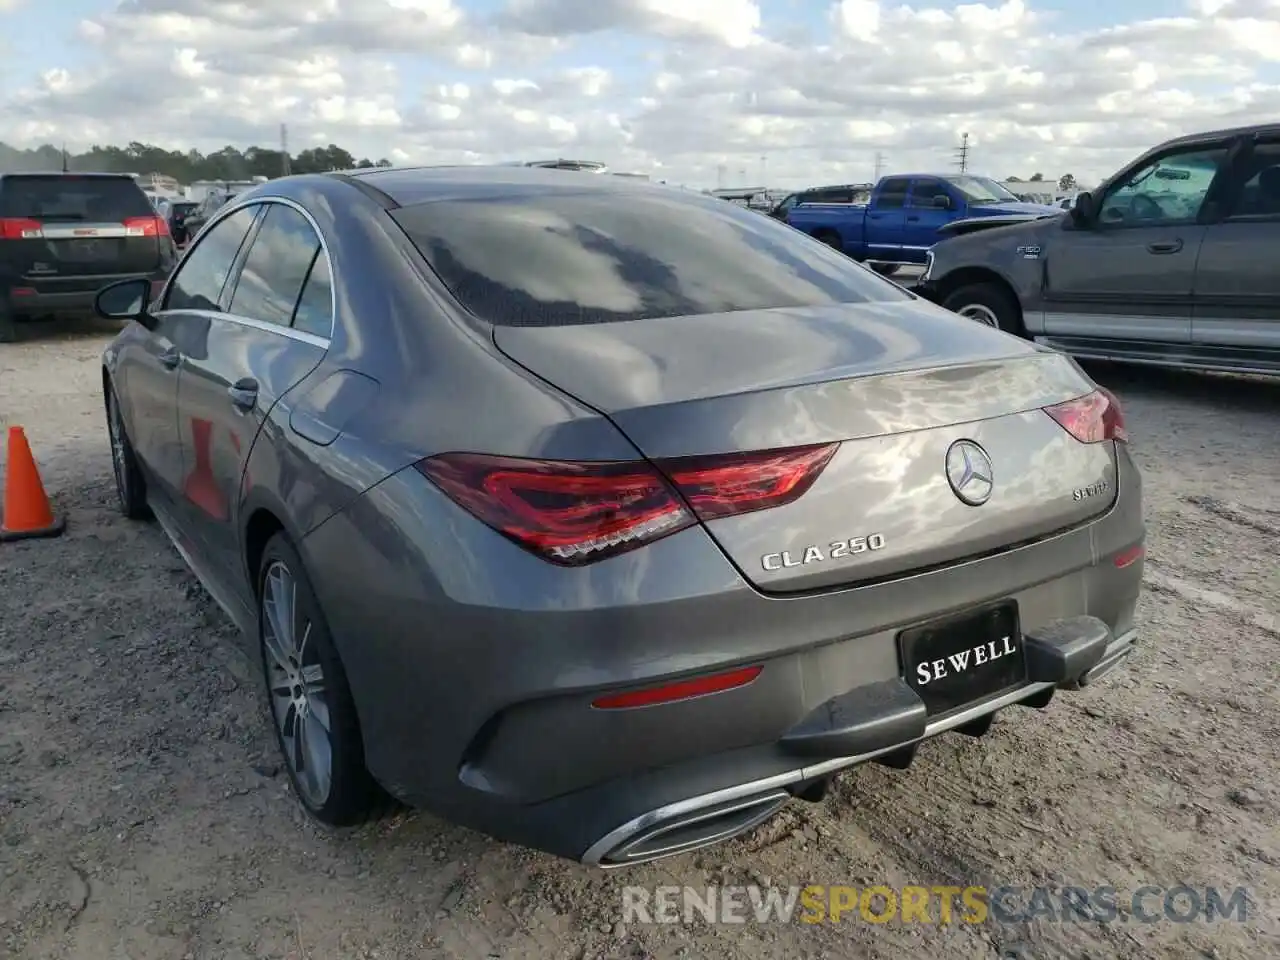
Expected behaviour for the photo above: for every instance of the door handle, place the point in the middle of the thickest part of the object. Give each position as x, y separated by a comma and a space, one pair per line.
244, 394
171, 358
1168, 246
912, 219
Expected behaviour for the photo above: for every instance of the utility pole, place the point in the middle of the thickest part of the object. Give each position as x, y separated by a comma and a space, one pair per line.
962, 153
879, 165
64, 157
721, 171
284, 150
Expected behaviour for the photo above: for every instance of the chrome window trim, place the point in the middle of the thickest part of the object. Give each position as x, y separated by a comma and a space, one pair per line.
234, 207
299, 335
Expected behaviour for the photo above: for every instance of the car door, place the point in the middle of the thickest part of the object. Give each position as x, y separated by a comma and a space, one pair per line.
1237, 285
886, 219
150, 369
924, 216
1128, 274
253, 354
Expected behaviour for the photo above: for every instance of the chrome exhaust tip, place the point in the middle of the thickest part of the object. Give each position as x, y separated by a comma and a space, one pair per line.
655, 836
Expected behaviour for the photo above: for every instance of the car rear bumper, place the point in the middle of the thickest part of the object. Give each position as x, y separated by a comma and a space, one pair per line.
475, 686
69, 297
886, 727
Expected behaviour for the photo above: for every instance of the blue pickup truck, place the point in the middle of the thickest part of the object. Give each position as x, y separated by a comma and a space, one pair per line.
902, 219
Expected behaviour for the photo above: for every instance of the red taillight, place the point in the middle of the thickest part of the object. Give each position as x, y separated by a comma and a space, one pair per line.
146, 227
19, 228
730, 484
680, 690
574, 513
1092, 418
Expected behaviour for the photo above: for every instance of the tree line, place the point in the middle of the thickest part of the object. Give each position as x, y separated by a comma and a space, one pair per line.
229, 163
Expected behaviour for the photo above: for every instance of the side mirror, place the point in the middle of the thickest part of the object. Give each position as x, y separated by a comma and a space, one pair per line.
125, 300
1082, 210
942, 201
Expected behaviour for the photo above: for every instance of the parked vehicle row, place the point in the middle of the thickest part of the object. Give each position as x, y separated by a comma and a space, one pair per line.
1169, 262
904, 213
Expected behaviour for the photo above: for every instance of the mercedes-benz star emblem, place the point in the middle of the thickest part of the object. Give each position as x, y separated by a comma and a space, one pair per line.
969, 472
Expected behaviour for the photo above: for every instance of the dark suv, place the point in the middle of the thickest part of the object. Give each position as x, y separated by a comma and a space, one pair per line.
63, 236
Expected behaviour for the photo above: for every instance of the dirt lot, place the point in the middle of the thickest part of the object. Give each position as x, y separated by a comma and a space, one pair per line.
143, 815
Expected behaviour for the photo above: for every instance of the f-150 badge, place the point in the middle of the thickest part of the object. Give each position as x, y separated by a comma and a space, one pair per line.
1029, 253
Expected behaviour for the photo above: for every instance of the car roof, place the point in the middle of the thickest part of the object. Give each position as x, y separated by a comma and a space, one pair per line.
407, 186
70, 174
1261, 129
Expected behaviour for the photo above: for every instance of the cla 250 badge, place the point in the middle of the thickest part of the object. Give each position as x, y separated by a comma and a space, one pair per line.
836, 550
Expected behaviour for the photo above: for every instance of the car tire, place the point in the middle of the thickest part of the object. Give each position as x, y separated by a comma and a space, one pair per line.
131, 486
988, 304
309, 701
8, 328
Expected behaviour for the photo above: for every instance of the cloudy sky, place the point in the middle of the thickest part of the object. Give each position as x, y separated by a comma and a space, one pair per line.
792, 92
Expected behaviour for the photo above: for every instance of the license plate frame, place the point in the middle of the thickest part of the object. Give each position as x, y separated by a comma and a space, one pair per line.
955, 644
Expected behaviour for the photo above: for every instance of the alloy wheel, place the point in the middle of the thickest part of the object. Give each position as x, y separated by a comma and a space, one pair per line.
296, 686
119, 465
982, 314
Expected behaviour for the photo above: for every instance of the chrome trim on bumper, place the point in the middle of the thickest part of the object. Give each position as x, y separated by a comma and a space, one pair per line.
1116, 653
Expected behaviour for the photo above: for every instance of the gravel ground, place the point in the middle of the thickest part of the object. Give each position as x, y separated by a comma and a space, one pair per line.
143, 814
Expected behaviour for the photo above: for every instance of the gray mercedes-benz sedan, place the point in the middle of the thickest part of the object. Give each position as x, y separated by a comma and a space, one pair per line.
606, 517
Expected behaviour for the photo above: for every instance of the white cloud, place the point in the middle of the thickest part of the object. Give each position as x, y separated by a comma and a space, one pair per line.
684, 89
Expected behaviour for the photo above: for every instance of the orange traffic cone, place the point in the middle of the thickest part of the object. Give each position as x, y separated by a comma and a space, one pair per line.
27, 514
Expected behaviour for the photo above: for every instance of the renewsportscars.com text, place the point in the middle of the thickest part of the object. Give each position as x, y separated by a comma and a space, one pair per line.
938, 904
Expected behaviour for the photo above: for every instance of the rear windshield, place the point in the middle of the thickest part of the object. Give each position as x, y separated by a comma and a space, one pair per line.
72, 198
560, 258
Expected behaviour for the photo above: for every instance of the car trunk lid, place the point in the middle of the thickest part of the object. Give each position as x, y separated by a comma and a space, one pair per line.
897, 385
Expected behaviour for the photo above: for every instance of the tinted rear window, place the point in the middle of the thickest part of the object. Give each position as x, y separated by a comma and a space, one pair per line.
559, 258
70, 198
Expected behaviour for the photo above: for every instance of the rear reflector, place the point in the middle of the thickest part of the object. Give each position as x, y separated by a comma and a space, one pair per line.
573, 513
1127, 558
147, 227
1092, 418
22, 291
20, 229
681, 690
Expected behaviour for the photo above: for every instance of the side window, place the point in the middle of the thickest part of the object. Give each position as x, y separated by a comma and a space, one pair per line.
199, 281
1259, 196
1169, 190
893, 193
315, 306
923, 192
277, 265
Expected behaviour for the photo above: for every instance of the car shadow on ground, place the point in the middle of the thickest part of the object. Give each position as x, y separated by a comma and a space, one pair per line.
1247, 393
